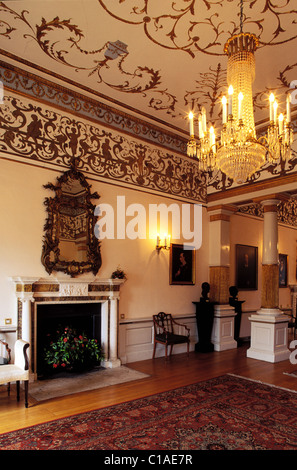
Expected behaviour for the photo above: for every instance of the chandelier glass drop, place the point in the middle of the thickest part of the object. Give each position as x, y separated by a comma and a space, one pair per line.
239, 154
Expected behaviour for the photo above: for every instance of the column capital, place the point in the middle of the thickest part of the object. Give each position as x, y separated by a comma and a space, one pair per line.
223, 208
275, 198
221, 212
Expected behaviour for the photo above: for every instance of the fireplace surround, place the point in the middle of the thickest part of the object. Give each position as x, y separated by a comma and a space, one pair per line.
32, 292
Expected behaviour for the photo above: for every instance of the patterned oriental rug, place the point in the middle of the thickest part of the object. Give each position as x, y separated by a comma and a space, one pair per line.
225, 413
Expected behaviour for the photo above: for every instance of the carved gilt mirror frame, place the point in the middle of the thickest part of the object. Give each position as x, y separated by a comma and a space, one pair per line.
69, 243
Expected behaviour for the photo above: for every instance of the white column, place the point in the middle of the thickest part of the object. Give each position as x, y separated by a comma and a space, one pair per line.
270, 232
269, 326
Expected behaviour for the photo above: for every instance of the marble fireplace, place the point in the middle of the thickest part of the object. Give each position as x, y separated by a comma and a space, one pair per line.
104, 293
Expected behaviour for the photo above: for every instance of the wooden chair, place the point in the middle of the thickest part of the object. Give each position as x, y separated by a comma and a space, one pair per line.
17, 371
164, 332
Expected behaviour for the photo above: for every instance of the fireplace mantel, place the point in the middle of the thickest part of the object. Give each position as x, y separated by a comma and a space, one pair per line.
59, 287
31, 290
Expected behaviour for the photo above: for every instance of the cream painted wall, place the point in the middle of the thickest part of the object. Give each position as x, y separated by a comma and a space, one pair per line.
287, 245
22, 220
249, 231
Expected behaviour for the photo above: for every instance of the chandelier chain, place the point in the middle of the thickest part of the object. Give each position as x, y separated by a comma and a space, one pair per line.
241, 15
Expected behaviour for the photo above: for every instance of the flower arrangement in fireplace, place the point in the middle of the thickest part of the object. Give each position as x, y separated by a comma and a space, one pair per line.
74, 351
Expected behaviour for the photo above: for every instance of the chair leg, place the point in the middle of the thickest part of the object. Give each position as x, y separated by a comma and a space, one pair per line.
26, 393
8, 388
155, 344
18, 390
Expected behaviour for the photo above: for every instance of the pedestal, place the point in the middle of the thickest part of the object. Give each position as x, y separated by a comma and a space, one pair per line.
269, 336
237, 304
223, 328
204, 319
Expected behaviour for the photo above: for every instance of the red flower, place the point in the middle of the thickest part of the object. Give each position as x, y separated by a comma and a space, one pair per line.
65, 340
55, 365
63, 365
80, 337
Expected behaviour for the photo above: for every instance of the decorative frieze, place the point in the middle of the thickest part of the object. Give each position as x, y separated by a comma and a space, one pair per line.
46, 136
286, 211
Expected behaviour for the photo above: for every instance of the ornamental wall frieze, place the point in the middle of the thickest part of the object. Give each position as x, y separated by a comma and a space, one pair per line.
286, 212
42, 90
41, 134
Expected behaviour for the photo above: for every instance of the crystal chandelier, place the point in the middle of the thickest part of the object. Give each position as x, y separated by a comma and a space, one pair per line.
239, 154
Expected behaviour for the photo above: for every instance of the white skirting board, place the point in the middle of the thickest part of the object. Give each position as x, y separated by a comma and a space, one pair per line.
136, 337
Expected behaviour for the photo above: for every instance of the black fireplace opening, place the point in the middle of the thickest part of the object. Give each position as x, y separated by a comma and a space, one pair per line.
85, 318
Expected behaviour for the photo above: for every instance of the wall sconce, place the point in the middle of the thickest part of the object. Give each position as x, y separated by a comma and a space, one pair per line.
165, 245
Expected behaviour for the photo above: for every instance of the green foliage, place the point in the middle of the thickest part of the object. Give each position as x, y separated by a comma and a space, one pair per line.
70, 350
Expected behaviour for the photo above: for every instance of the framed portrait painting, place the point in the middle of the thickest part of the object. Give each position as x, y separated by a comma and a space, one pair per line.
182, 265
246, 267
283, 270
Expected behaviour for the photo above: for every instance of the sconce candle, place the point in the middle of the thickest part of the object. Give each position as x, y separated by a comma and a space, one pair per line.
165, 245
158, 241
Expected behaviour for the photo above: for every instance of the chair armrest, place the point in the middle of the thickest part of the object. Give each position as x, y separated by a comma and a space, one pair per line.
7, 349
21, 356
182, 324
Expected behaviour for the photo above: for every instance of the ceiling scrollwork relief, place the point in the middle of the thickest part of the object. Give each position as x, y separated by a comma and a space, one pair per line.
196, 26
61, 40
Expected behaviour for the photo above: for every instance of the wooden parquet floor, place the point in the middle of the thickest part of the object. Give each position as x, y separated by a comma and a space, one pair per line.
178, 371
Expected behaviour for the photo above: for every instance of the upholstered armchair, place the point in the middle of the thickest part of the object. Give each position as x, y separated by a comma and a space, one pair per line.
19, 371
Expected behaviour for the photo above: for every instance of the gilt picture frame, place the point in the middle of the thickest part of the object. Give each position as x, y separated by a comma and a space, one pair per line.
182, 265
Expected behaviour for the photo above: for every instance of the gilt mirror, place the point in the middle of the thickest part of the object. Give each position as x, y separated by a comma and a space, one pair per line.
69, 243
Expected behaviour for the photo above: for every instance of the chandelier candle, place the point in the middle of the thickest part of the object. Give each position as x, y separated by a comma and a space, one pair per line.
271, 101
288, 108
224, 104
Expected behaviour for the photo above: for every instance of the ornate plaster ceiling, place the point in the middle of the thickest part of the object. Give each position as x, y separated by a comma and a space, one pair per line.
153, 58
